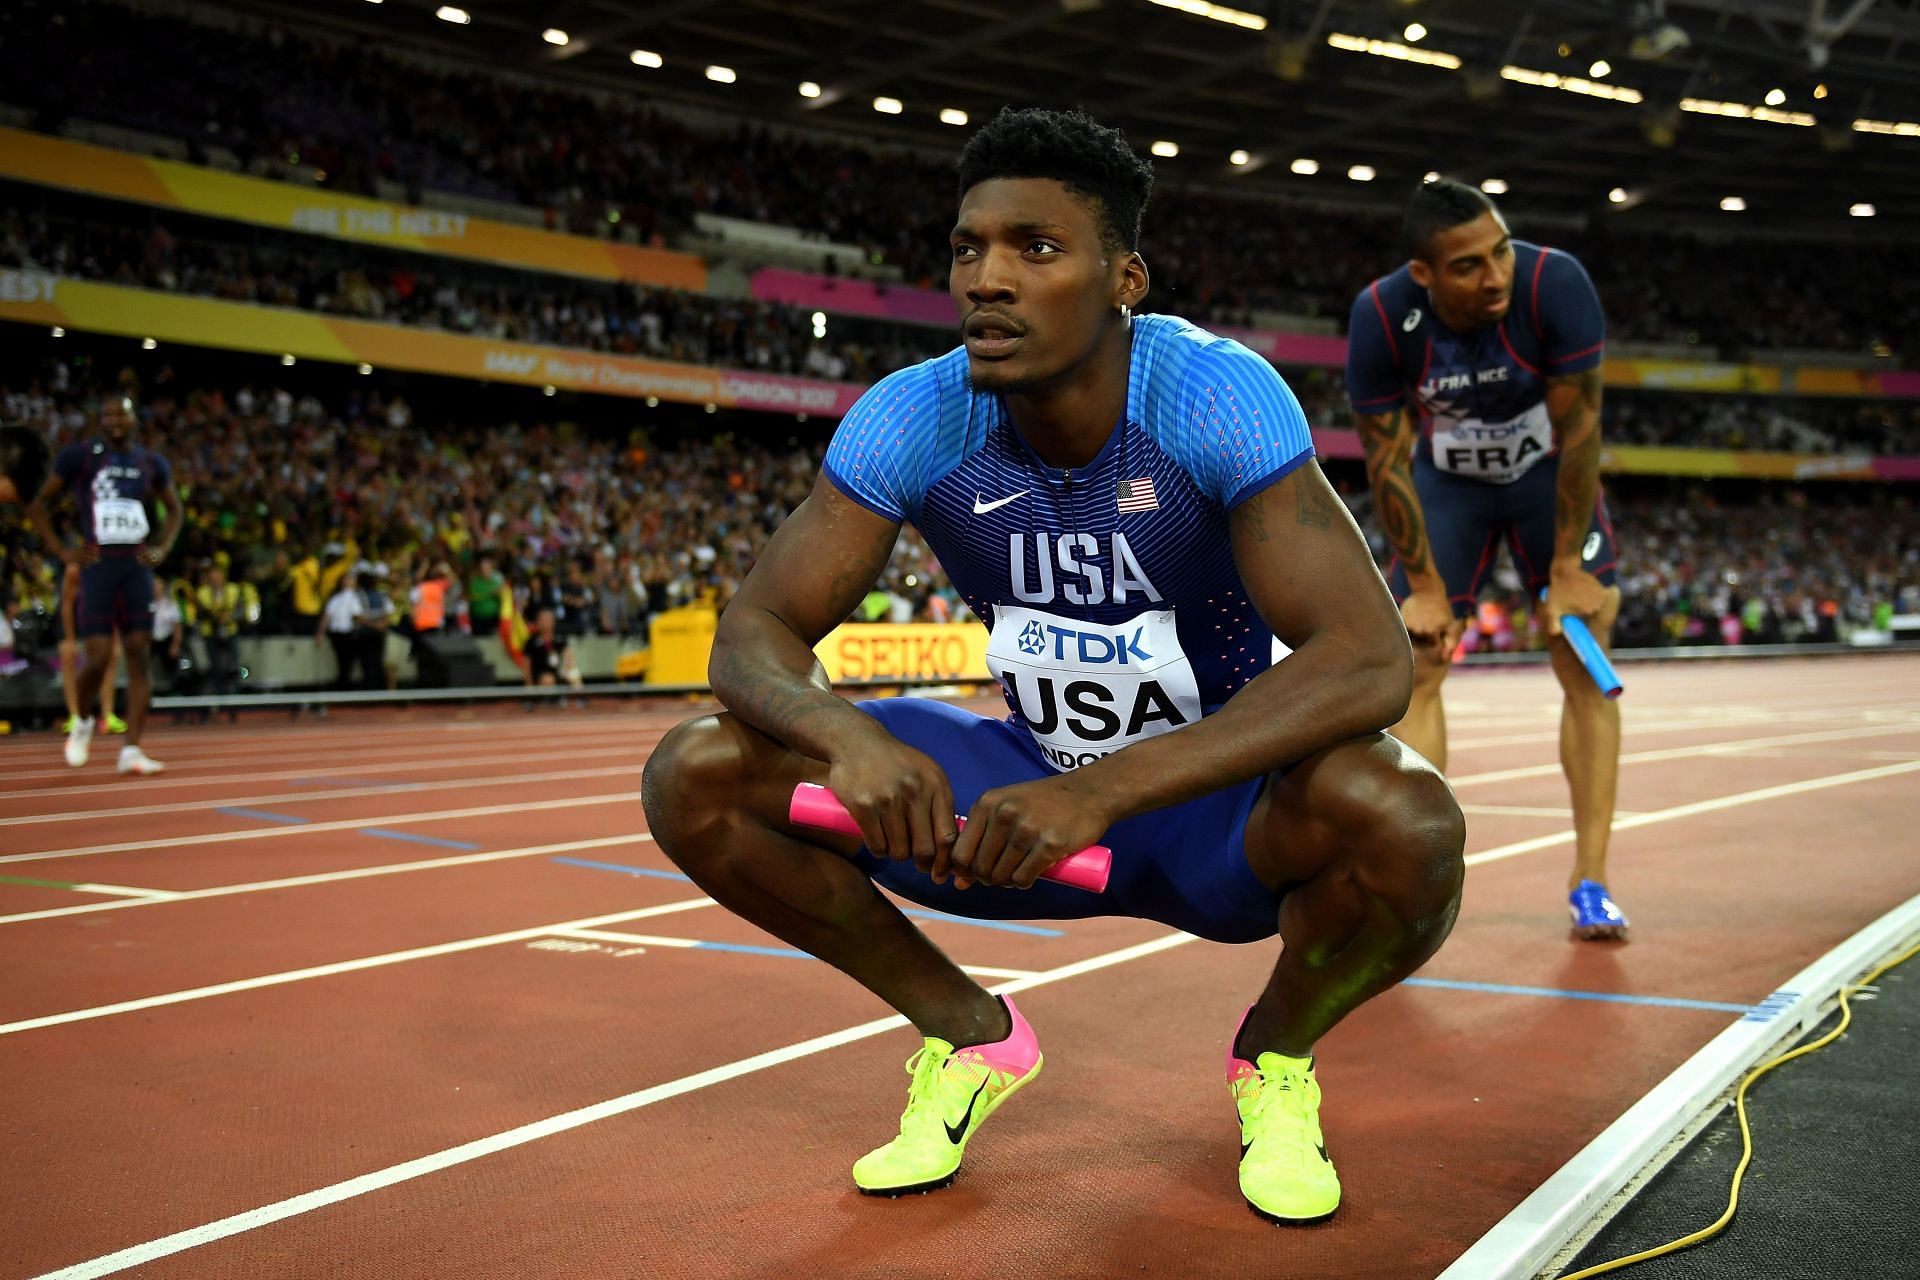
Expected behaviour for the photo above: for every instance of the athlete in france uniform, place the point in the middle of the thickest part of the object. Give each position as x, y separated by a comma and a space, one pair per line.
1474, 372
1115, 609
1485, 463
117, 488
1134, 505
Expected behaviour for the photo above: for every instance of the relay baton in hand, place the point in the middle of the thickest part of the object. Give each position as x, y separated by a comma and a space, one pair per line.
815, 806
1591, 655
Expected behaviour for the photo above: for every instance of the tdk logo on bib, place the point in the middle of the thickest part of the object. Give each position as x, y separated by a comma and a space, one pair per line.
1087, 648
1084, 690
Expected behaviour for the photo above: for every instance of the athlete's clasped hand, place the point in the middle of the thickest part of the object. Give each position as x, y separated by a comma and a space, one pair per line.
1572, 590
1429, 619
1016, 832
900, 797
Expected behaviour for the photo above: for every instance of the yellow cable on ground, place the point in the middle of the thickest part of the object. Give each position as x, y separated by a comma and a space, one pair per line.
1746, 1134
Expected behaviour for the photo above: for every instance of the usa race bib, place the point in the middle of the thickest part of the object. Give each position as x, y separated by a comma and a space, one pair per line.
1086, 690
1497, 452
119, 522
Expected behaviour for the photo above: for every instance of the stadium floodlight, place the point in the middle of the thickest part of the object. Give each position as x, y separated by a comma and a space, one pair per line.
1361, 173
1820, 91
1494, 186
888, 106
1415, 33
1570, 84
808, 89
1305, 166
447, 13
952, 115
554, 36
646, 58
1601, 69
1896, 128
148, 344
287, 360
1741, 111
653, 402
712, 408
58, 332
1395, 50
1732, 204
1861, 210
1164, 149
1776, 97
1617, 196
366, 369
1217, 12
1239, 158
721, 75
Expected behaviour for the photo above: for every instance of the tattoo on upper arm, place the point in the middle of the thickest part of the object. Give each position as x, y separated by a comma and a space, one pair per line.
1573, 403
1389, 438
1249, 519
1314, 511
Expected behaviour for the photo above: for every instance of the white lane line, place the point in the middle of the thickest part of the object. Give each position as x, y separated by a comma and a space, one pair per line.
343, 824
1734, 746
1532, 811
343, 966
1735, 801
122, 891
420, 1167
308, 796
331, 877
563, 749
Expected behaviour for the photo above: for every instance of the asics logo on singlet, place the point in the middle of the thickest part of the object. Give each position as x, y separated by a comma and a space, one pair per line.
1412, 321
981, 506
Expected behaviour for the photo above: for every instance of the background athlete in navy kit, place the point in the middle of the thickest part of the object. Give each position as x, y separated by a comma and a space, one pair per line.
1282, 808
117, 489
1474, 372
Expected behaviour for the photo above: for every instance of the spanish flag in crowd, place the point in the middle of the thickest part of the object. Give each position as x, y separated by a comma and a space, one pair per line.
513, 628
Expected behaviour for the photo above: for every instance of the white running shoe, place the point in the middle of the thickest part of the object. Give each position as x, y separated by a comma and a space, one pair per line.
79, 741
134, 760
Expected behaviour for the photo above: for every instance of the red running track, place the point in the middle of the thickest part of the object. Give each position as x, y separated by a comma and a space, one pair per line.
341, 999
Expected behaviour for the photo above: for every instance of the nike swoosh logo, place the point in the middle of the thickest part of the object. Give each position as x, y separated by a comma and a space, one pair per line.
1321, 1148
981, 506
955, 1133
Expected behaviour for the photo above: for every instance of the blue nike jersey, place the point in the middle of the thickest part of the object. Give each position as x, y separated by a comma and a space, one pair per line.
1480, 396
1141, 529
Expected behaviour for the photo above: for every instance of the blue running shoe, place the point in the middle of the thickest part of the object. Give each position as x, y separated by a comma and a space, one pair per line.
1596, 917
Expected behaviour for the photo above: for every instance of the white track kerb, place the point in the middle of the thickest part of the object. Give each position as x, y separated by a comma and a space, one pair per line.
1527, 1239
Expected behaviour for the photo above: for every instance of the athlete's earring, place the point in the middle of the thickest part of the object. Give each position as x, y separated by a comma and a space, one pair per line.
1125, 314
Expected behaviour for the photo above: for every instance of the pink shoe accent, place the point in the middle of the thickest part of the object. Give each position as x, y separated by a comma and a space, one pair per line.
1018, 1054
1238, 1068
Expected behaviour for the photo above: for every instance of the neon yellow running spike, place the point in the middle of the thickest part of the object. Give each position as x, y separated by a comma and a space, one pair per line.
1284, 1170
953, 1093
114, 724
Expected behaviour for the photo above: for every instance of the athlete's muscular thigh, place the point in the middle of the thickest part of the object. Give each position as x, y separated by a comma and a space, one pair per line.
1356, 801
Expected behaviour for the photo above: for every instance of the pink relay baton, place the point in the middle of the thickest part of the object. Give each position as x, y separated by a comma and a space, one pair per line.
815, 806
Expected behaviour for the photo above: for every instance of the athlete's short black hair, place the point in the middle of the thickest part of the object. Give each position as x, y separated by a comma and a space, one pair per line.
1435, 207
23, 459
1071, 147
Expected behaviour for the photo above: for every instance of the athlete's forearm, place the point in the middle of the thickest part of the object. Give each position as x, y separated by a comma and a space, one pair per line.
763, 672
1332, 688
1573, 405
1389, 439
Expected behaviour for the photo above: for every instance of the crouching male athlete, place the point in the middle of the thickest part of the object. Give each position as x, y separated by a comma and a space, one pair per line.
1133, 504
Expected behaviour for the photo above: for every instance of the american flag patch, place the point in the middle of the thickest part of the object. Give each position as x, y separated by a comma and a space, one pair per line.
1138, 495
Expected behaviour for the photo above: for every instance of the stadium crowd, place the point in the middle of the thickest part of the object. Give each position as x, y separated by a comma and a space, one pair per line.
291, 493
287, 103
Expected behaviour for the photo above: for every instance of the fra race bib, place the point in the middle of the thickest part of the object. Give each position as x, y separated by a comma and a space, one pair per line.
1497, 452
119, 522
1087, 690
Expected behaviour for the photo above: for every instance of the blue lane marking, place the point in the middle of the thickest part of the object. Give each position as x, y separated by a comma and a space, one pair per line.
624, 870
1608, 997
356, 782
744, 949
263, 815
1007, 926
386, 834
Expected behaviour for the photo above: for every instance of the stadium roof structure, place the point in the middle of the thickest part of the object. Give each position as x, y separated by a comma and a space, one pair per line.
1658, 113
